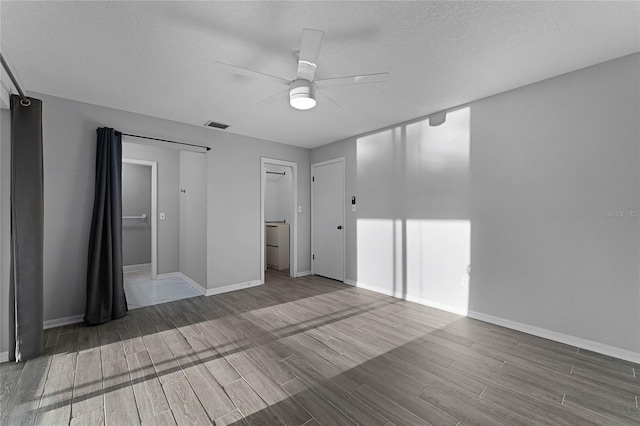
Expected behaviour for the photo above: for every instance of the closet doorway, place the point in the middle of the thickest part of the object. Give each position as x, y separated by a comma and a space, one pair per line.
278, 217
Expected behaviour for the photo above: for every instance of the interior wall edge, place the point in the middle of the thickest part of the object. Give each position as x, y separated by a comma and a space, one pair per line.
579, 342
59, 322
193, 283
233, 287
408, 297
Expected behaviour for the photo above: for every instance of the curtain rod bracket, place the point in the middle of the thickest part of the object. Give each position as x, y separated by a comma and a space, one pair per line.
25, 102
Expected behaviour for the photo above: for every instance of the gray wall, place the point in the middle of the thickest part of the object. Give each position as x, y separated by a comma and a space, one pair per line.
5, 225
346, 149
193, 216
168, 160
136, 200
547, 161
233, 197
550, 164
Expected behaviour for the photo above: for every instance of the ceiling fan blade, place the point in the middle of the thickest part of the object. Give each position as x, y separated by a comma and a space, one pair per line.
353, 79
269, 98
250, 73
329, 97
309, 52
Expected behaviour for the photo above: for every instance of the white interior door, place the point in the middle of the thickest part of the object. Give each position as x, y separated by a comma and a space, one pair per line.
328, 219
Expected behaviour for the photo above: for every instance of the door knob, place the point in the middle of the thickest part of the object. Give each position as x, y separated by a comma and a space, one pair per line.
340, 227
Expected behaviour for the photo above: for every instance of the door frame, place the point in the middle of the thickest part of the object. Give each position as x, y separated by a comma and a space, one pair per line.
293, 228
154, 210
344, 225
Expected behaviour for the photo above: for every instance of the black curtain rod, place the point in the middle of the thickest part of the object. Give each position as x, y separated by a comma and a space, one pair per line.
25, 101
165, 140
277, 173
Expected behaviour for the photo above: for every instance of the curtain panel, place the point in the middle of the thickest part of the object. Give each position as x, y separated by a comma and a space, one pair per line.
105, 288
27, 230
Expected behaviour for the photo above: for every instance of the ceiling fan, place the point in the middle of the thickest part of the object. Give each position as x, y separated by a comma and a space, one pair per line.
302, 90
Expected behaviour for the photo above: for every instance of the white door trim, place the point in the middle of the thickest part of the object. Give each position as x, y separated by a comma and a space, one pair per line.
293, 253
344, 227
154, 210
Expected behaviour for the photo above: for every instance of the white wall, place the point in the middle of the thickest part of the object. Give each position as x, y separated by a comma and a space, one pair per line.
233, 197
193, 216
5, 93
277, 202
271, 200
285, 185
413, 228
168, 160
546, 163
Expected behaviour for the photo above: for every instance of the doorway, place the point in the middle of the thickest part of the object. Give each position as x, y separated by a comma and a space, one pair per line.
139, 206
328, 219
278, 216
178, 220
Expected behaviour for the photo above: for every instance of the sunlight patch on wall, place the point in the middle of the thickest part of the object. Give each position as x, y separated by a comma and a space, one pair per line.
413, 223
376, 252
438, 253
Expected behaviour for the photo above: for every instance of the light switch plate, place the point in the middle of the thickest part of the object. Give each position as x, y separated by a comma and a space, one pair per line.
162, 216
465, 281
299, 209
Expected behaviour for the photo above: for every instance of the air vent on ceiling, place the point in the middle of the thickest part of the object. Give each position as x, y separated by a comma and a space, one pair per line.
216, 125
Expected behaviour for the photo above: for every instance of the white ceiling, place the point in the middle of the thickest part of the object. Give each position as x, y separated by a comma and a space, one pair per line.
158, 58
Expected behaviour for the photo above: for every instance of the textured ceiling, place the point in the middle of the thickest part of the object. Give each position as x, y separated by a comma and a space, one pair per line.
159, 58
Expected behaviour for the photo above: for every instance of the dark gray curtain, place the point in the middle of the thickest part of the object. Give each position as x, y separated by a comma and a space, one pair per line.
27, 218
105, 288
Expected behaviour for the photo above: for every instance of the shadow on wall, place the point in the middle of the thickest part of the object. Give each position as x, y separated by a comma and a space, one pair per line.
413, 223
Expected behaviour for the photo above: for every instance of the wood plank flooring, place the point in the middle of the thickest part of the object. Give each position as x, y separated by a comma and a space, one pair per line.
311, 351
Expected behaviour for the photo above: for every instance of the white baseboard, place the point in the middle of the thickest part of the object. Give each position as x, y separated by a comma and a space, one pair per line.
59, 322
232, 287
408, 297
559, 337
197, 287
136, 268
4, 357
525, 328
303, 274
167, 275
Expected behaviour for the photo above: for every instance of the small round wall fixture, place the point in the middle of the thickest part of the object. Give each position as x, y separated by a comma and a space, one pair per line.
302, 94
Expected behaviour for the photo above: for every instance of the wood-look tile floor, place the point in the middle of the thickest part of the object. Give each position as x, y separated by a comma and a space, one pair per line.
311, 351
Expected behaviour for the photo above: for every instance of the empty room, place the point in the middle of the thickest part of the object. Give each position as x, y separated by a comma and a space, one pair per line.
320, 213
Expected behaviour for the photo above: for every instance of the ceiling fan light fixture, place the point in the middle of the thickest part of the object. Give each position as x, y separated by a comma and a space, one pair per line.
302, 94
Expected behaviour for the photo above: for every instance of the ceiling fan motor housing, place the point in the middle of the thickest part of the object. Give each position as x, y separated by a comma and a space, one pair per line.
302, 94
